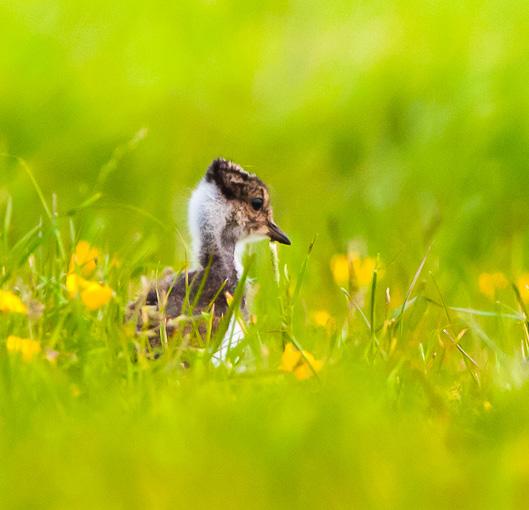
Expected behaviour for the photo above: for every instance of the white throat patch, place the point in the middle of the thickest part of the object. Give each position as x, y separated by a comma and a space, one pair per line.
206, 214
240, 249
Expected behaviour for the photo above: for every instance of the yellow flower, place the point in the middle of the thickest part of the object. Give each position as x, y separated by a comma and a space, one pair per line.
353, 266
340, 269
84, 259
94, 295
10, 302
321, 317
83, 263
523, 286
73, 283
290, 358
27, 347
490, 283
299, 364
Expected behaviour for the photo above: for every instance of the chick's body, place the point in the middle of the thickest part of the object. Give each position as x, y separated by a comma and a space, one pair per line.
229, 206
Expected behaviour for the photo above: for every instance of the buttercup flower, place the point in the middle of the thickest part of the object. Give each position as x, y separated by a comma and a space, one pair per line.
340, 269
84, 259
10, 302
294, 361
352, 265
523, 286
83, 263
73, 284
96, 295
490, 283
27, 347
321, 317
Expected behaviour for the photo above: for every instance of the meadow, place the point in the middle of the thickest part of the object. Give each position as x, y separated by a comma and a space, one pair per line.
385, 363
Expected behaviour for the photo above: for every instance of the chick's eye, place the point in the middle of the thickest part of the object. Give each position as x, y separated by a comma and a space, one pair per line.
257, 203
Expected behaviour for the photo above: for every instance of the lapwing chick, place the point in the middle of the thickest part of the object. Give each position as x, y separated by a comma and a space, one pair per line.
227, 209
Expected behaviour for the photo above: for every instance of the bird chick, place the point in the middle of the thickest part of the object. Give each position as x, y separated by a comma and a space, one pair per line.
228, 208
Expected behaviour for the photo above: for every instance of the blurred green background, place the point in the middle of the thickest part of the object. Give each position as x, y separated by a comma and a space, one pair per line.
379, 120
389, 124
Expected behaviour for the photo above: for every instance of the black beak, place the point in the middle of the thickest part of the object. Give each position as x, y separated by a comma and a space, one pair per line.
276, 234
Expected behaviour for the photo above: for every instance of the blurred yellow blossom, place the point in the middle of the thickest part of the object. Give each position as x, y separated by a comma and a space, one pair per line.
523, 286
95, 295
340, 269
294, 361
359, 269
490, 283
84, 259
73, 283
27, 347
83, 263
321, 317
10, 302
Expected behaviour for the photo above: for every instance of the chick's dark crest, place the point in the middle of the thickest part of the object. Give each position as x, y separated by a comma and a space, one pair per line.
228, 208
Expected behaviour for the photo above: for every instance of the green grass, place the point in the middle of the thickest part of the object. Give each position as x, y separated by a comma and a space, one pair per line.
395, 129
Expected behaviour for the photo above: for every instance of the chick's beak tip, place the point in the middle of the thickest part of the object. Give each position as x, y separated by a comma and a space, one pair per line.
276, 234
